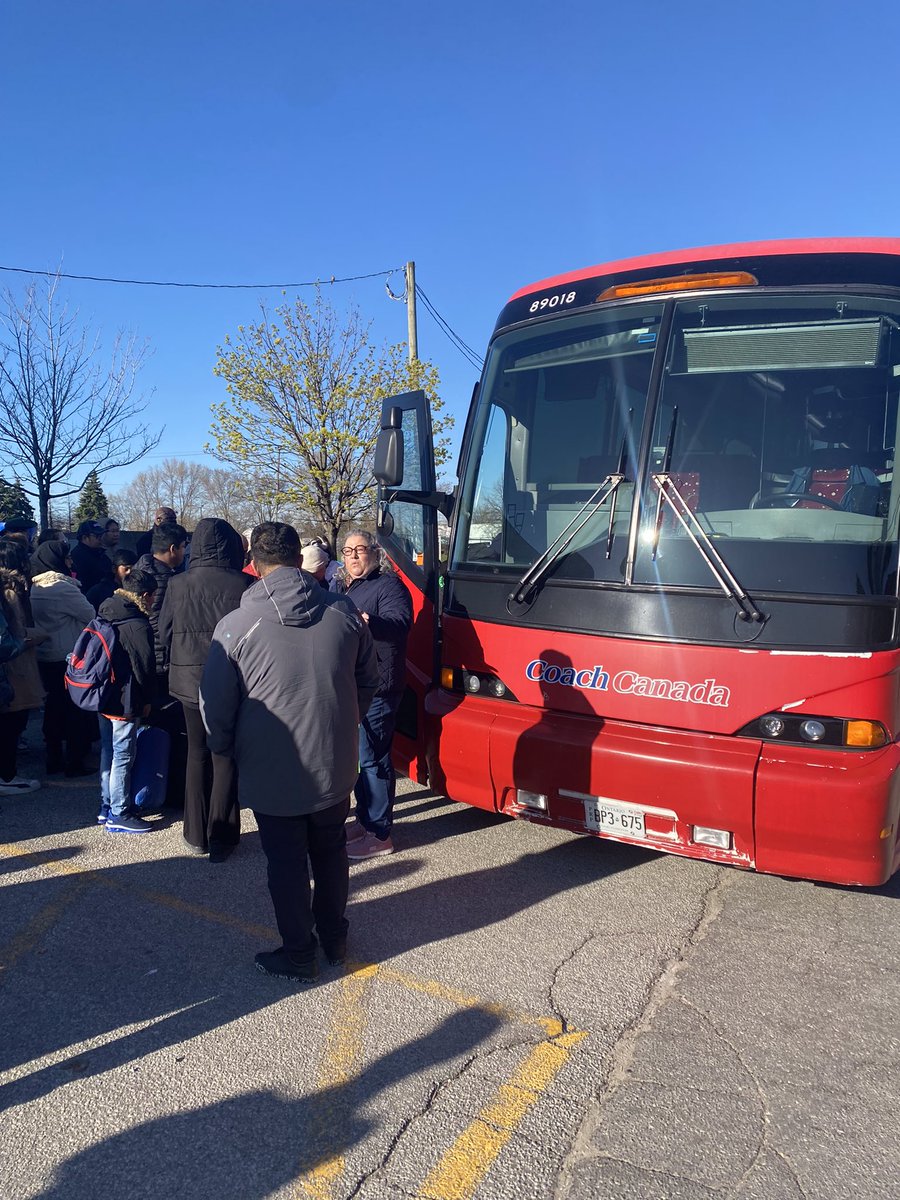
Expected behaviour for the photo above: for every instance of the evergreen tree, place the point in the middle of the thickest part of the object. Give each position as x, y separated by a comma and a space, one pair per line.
14, 502
92, 503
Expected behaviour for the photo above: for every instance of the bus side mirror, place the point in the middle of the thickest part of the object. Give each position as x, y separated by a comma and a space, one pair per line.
388, 464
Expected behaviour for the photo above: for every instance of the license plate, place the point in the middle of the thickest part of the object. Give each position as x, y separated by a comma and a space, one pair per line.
616, 819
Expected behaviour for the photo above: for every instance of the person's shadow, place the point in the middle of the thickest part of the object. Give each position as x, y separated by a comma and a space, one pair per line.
253, 1145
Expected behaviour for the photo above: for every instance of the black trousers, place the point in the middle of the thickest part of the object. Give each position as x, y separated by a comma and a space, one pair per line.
288, 842
64, 724
212, 818
12, 726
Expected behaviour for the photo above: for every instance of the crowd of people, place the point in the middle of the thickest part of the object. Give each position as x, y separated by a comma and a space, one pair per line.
275, 670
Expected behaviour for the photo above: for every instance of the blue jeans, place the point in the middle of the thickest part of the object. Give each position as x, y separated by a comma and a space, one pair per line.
376, 785
118, 743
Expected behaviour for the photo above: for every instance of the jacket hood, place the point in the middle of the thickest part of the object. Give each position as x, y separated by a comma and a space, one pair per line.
52, 578
287, 596
215, 543
50, 556
118, 608
13, 581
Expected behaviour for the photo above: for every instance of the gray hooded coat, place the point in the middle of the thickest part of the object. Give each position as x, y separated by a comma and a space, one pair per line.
288, 677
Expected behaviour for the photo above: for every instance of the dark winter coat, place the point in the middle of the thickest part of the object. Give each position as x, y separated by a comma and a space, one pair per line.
162, 574
386, 599
91, 566
288, 677
196, 601
133, 658
22, 669
102, 591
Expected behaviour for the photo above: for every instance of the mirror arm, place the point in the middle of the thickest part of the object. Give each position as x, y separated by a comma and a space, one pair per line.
442, 501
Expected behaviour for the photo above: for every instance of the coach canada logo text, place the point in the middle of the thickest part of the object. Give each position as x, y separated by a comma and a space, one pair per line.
629, 683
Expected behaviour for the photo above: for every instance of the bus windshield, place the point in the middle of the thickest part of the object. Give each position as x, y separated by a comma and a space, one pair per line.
774, 422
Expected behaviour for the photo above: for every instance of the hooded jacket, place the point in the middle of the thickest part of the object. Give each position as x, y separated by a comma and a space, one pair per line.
59, 608
134, 643
288, 677
21, 670
163, 575
197, 600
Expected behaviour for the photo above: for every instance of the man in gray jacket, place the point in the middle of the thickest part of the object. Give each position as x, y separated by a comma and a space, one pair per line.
288, 678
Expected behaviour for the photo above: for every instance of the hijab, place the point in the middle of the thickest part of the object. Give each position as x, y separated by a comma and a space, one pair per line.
50, 556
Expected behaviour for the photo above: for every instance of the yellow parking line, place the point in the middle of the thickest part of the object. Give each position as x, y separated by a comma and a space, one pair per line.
343, 1050
39, 924
164, 898
468, 1160
441, 991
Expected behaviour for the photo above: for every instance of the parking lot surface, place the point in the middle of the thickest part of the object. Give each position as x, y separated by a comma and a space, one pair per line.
526, 1014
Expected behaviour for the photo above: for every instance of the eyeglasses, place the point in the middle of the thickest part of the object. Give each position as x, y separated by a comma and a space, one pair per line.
354, 551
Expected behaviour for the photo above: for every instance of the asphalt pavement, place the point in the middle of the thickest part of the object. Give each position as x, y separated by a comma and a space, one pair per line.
526, 1014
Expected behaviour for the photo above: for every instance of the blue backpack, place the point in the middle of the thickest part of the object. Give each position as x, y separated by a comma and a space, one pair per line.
91, 679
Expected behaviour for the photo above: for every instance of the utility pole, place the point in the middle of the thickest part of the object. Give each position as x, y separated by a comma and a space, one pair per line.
411, 311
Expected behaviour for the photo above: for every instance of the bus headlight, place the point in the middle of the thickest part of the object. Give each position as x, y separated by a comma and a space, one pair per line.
476, 683
833, 732
772, 726
812, 731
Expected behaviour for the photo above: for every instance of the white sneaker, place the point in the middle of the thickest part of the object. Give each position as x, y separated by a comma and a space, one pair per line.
13, 787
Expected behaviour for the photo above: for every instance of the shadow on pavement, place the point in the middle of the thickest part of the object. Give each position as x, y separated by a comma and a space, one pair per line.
251, 1146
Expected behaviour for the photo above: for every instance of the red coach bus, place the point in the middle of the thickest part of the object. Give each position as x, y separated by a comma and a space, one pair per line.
669, 614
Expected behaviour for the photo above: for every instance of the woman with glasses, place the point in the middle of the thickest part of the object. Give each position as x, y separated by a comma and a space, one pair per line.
385, 605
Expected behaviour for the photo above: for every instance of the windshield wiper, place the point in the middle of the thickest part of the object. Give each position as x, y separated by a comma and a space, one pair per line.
669, 494
607, 490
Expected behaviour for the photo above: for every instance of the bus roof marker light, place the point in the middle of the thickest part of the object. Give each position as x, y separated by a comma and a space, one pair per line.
678, 283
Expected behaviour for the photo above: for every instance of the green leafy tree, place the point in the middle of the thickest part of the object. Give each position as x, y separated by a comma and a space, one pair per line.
92, 503
305, 388
14, 502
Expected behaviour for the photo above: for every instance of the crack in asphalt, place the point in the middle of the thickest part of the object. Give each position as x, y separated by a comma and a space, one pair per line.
659, 992
551, 990
424, 1109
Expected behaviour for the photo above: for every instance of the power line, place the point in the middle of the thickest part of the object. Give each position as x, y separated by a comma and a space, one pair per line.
466, 350
215, 286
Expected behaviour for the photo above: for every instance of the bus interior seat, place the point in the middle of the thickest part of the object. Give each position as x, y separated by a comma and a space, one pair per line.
844, 476
717, 482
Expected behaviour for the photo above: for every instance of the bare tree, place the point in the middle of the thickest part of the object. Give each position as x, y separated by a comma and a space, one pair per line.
62, 413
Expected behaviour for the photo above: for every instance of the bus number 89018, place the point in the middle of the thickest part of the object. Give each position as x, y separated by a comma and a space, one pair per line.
552, 301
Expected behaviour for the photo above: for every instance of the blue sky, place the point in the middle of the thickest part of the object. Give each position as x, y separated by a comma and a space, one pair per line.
494, 143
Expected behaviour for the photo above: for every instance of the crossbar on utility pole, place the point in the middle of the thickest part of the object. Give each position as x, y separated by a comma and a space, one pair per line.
411, 311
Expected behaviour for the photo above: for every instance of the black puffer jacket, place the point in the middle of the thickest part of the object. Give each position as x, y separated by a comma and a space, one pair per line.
196, 601
162, 574
133, 658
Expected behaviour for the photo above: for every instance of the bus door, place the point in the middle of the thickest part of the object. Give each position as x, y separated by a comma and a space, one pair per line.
408, 533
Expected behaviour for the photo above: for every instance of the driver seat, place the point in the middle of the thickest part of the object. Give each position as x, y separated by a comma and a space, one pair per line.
853, 487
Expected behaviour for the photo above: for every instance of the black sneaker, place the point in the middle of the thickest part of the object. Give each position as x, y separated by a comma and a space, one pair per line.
336, 953
280, 965
220, 854
127, 824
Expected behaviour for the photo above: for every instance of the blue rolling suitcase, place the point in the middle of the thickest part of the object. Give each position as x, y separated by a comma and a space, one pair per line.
150, 772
